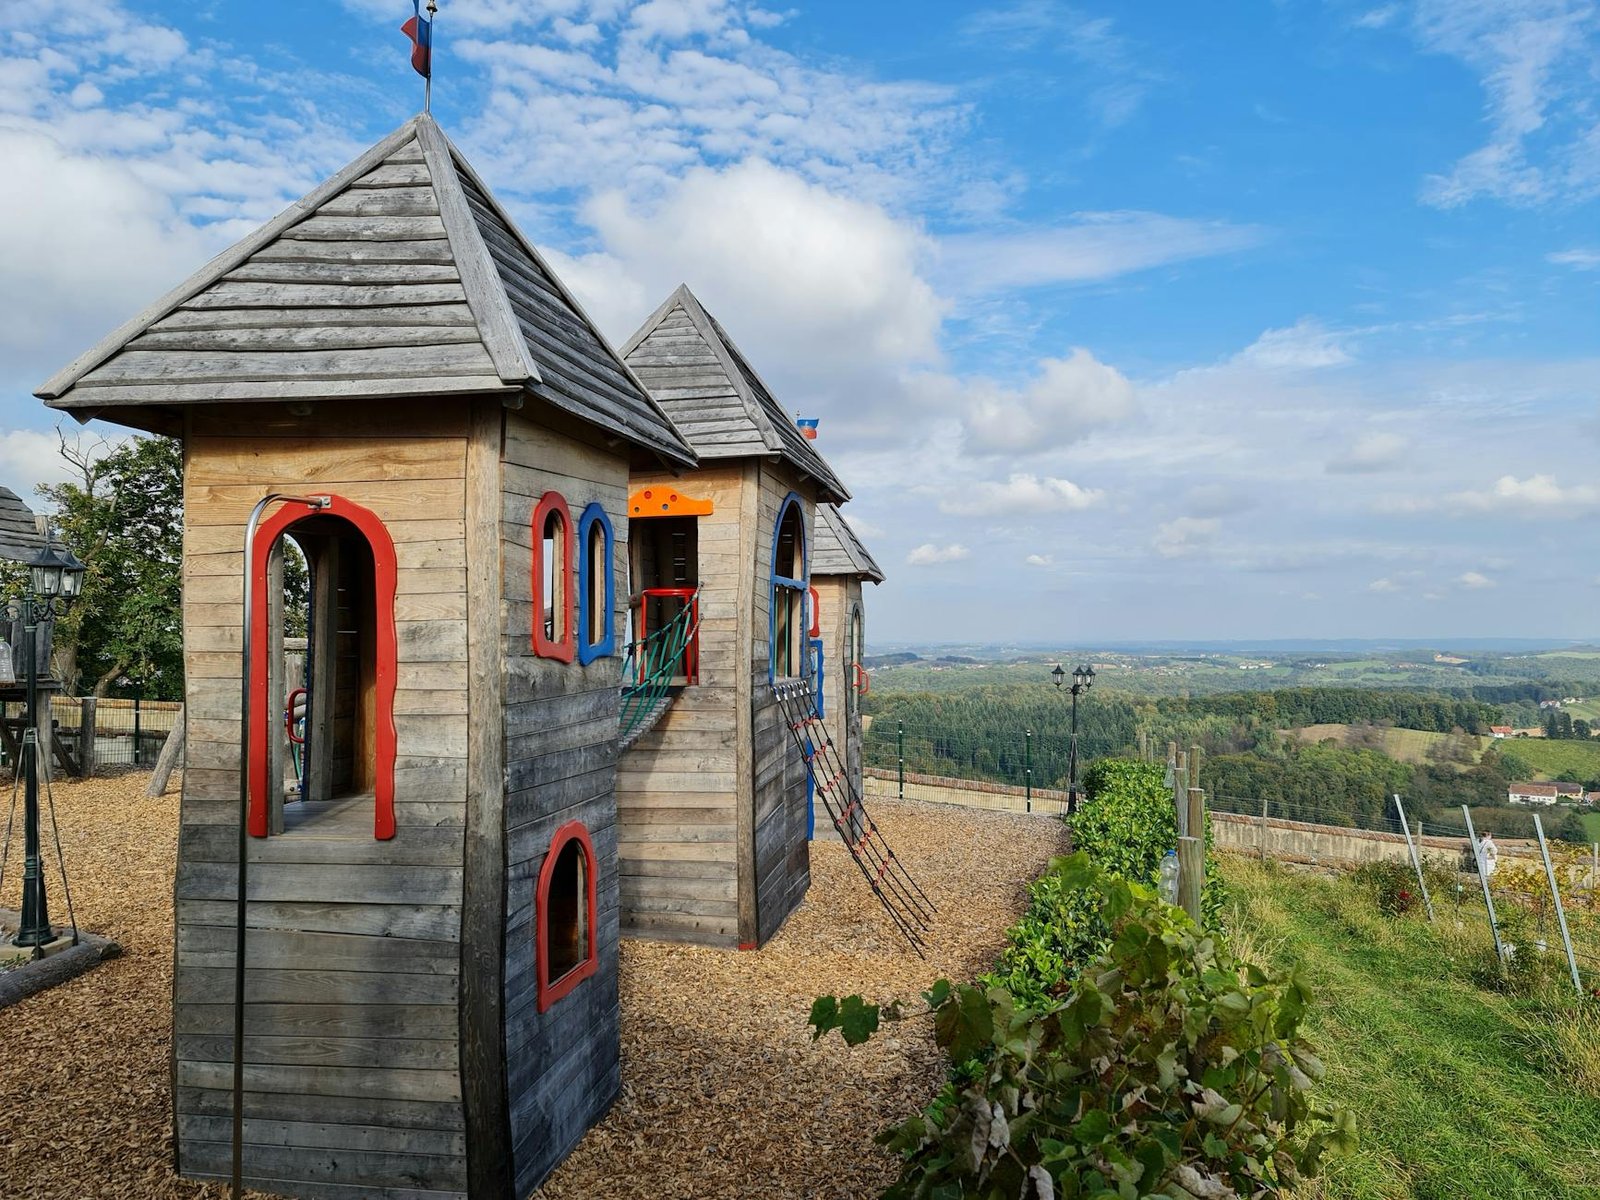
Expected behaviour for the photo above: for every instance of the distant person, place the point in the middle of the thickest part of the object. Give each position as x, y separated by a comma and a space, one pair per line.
1488, 853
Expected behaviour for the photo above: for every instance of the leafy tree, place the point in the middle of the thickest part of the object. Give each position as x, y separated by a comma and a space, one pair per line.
122, 514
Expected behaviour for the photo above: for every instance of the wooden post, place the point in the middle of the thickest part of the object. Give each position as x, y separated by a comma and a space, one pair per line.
1196, 815
1191, 874
86, 732
171, 752
1196, 757
1180, 805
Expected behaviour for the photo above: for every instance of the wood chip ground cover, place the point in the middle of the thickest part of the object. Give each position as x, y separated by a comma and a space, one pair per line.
724, 1094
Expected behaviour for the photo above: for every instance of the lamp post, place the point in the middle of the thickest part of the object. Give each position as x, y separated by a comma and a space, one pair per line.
54, 581
1082, 681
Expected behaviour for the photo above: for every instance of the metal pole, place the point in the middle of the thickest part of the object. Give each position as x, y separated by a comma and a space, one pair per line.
1027, 773
1488, 900
1416, 858
1561, 914
136, 728
34, 928
1072, 758
1264, 831
247, 666
900, 751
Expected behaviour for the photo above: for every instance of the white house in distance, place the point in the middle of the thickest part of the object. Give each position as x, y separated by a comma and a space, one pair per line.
1543, 794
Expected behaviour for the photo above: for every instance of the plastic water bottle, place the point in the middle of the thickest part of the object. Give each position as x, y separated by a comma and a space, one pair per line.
1167, 885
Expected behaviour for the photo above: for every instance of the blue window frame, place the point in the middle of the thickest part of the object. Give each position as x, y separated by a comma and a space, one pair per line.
789, 620
816, 675
597, 586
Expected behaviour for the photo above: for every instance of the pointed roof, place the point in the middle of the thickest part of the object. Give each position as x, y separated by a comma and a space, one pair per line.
709, 389
836, 550
400, 276
21, 532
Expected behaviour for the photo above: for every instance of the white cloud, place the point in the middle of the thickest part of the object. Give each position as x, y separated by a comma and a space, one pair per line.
928, 554
1305, 346
1217, 500
1022, 494
1377, 18
805, 277
1383, 586
1371, 453
1474, 581
1535, 62
1069, 398
1537, 495
1040, 560
1578, 258
1185, 536
1096, 246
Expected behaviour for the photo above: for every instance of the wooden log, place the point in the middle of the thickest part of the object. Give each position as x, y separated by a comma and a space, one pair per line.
172, 751
86, 737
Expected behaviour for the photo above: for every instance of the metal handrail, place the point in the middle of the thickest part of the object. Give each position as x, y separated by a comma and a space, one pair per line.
652, 661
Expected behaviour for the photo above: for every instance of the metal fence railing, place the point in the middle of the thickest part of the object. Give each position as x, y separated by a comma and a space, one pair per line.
90, 734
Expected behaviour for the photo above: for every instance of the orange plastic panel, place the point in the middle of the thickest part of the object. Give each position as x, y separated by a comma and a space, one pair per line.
663, 501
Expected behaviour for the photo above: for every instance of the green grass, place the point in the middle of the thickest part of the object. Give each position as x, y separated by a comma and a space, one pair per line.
1591, 825
1575, 761
1413, 746
1455, 1089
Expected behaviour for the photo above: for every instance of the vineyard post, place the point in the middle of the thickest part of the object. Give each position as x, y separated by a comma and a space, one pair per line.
900, 754
1195, 756
1416, 856
1191, 874
1180, 779
1027, 768
1196, 803
1488, 900
1263, 830
1594, 865
1555, 894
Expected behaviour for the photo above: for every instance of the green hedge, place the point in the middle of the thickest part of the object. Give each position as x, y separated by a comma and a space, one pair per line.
1126, 826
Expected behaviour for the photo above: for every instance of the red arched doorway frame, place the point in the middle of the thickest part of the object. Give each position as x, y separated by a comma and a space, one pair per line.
263, 710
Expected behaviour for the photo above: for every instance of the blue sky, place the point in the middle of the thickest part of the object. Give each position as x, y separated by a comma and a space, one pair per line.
1123, 321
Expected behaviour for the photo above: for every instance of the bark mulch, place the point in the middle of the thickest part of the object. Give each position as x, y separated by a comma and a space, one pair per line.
724, 1094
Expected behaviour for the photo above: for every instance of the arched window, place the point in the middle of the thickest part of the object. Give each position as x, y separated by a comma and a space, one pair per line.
790, 583
855, 675
350, 676
565, 925
552, 578
597, 635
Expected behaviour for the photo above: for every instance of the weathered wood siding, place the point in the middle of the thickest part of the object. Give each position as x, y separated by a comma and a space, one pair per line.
778, 773
681, 786
836, 594
352, 1069
562, 1066
690, 380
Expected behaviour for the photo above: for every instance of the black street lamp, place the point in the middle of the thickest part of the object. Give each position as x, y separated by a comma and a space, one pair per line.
1082, 681
54, 581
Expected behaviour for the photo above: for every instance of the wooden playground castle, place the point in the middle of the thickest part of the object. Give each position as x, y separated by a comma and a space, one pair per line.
388, 382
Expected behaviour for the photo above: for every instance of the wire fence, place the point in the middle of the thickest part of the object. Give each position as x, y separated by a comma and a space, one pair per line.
89, 734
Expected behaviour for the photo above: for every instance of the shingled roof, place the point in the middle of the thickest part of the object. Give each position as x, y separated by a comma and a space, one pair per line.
838, 551
714, 396
400, 276
21, 539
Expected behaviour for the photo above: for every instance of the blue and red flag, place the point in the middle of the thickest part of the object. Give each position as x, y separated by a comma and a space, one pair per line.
420, 30
808, 427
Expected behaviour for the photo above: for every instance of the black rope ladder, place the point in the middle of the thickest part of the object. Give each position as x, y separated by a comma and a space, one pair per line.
902, 898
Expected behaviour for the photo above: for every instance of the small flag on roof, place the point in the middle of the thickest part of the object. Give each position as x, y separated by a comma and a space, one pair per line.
808, 427
420, 30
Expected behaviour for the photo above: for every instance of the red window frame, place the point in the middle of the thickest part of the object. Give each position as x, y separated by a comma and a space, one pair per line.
552, 990
564, 647
816, 613
263, 712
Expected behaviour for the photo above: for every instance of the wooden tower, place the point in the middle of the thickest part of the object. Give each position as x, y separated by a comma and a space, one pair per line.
430, 1000
712, 801
840, 566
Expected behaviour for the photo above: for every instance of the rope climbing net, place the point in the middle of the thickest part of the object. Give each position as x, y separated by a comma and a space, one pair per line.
654, 664
902, 897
